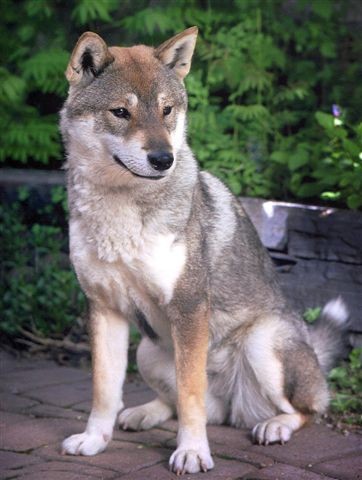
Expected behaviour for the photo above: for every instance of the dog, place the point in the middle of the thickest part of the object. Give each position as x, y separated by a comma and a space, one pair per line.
157, 242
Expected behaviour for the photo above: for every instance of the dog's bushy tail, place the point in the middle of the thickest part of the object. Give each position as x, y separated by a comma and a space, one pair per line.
328, 334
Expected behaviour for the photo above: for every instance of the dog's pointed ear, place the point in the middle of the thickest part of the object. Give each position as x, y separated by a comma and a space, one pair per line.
176, 53
89, 58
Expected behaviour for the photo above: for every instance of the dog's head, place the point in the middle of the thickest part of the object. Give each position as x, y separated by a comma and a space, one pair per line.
124, 119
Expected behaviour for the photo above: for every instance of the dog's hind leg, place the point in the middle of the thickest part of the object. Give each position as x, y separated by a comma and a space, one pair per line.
284, 386
157, 368
304, 388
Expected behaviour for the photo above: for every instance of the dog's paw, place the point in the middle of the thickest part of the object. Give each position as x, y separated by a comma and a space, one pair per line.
190, 461
85, 444
144, 416
135, 418
271, 431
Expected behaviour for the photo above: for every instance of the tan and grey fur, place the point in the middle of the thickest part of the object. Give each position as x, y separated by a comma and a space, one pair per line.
172, 250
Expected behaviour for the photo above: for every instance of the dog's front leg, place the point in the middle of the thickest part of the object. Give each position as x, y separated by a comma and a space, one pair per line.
109, 342
190, 338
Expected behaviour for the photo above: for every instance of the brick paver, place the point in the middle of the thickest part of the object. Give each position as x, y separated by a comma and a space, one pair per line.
42, 403
347, 468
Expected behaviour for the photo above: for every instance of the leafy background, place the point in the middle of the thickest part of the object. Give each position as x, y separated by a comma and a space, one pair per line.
265, 76
275, 97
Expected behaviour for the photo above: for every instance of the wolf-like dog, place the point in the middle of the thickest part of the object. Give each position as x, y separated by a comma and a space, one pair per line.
157, 242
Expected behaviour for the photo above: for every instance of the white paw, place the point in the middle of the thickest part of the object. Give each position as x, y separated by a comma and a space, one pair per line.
134, 418
144, 416
190, 461
85, 444
271, 431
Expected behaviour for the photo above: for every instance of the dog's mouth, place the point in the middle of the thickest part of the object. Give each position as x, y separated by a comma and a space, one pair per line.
150, 177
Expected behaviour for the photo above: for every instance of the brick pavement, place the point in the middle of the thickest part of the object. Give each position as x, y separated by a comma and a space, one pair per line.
41, 403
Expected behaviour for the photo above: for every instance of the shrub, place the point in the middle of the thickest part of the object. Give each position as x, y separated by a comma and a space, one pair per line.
338, 173
39, 291
346, 383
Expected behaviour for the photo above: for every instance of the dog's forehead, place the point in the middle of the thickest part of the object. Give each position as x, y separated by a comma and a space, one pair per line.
137, 64
136, 70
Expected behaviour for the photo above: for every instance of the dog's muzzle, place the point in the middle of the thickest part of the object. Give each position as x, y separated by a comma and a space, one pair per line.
151, 177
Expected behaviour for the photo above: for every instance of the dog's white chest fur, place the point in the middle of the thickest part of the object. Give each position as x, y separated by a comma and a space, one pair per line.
126, 261
157, 261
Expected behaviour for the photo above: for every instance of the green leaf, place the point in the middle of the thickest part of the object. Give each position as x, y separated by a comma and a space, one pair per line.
88, 10
328, 49
280, 156
354, 200
12, 87
352, 147
46, 69
234, 185
311, 314
298, 159
309, 190
325, 120
36, 8
333, 196
23, 193
248, 112
323, 8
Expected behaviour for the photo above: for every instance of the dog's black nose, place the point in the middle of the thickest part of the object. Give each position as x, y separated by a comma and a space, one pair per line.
160, 160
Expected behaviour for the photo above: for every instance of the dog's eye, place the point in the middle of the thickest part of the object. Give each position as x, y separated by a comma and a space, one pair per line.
167, 110
121, 113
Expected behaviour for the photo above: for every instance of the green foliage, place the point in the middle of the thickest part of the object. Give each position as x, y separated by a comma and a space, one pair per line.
86, 11
311, 314
45, 70
58, 204
339, 173
346, 382
264, 79
336, 173
258, 92
29, 136
33, 61
38, 291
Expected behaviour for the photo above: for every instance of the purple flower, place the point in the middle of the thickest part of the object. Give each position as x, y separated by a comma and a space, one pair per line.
336, 110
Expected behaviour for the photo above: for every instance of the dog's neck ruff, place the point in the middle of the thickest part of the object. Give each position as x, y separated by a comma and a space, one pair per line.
116, 222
